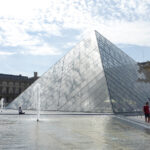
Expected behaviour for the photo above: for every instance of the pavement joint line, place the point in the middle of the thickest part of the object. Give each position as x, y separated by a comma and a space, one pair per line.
65, 114
133, 122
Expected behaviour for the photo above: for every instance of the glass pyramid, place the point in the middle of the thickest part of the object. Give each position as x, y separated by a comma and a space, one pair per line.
95, 76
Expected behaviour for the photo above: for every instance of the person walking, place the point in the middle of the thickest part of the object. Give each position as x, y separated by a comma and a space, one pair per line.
146, 112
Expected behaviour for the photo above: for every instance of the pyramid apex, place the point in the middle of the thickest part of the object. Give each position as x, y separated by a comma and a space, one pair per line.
95, 31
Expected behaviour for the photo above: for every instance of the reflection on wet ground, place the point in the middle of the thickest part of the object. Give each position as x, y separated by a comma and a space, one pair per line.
77, 132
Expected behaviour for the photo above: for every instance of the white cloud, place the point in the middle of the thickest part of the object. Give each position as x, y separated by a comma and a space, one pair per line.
26, 9
24, 23
125, 22
6, 53
69, 44
41, 50
136, 33
16, 33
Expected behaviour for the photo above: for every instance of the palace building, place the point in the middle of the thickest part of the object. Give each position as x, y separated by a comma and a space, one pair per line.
12, 85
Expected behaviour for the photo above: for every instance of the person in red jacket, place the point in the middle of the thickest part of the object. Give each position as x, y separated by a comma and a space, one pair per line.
146, 112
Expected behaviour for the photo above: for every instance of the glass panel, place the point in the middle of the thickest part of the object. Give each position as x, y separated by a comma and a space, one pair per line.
126, 93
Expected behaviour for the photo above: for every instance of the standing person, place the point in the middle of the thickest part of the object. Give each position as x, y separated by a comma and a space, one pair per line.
146, 112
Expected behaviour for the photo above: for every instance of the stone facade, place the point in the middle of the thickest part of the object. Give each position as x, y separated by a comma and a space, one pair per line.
144, 68
12, 85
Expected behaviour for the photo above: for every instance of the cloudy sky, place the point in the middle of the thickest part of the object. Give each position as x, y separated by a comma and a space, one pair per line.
34, 34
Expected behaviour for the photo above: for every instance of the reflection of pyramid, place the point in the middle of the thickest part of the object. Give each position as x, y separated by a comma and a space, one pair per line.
95, 76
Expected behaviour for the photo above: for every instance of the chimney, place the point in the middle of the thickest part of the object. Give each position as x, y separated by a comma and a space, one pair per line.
35, 74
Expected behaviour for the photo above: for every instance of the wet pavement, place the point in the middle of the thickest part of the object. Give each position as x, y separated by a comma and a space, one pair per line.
140, 119
70, 132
